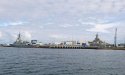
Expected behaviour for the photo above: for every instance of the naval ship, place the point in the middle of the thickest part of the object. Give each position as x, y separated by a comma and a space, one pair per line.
21, 43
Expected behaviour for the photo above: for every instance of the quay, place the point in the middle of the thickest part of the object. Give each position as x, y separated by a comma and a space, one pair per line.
97, 43
72, 47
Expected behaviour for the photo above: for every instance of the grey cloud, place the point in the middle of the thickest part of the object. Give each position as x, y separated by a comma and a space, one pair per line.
58, 12
35, 9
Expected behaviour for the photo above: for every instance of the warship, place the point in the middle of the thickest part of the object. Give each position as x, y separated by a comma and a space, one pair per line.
21, 43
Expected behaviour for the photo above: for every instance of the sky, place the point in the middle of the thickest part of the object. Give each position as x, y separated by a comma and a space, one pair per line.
60, 20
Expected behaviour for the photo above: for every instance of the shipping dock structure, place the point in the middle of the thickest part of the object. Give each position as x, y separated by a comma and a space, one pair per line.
97, 43
20, 43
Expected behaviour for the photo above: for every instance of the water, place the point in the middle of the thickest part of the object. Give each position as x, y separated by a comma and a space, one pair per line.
30, 61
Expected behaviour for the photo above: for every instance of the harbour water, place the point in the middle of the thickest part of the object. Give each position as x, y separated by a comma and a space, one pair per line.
38, 61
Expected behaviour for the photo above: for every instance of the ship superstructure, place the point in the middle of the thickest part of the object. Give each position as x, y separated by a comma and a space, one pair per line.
18, 40
20, 43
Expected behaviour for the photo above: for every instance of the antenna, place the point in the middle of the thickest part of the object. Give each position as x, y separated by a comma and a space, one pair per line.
124, 42
19, 38
115, 38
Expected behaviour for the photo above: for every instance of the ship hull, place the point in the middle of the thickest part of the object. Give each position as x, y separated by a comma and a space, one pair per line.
22, 46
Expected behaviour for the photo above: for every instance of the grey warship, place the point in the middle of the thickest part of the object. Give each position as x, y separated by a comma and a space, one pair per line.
21, 43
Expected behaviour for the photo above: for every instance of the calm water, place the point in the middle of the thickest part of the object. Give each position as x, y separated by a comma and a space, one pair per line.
26, 61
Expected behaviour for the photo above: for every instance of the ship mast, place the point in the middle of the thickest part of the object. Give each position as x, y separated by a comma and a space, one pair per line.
19, 38
115, 38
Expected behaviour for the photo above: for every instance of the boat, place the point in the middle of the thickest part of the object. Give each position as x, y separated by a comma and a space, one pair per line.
21, 43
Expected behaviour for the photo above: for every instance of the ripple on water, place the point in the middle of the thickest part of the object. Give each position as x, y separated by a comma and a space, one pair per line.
16, 61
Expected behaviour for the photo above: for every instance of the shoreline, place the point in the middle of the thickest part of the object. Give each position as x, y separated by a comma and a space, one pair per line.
118, 48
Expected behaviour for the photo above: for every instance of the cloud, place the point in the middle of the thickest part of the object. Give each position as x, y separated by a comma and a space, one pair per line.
41, 19
69, 25
100, 28
27, 35
31, 9
58, 36
13, 23
1, 34
16, 23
